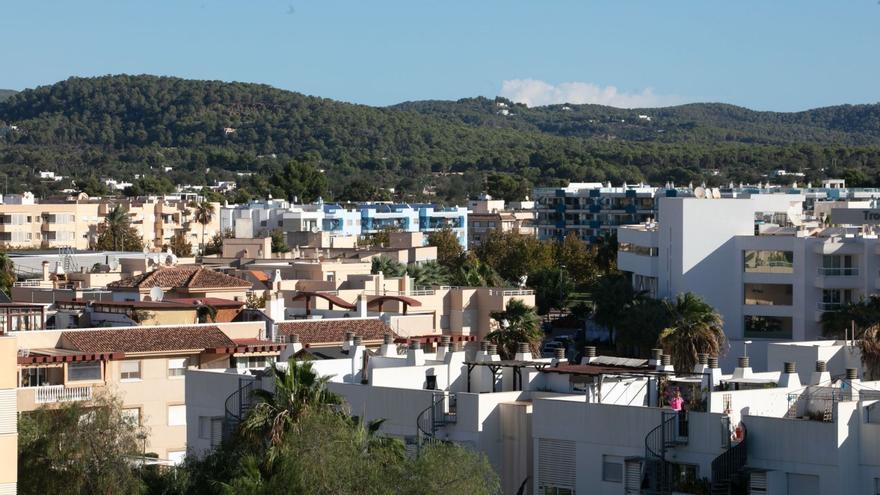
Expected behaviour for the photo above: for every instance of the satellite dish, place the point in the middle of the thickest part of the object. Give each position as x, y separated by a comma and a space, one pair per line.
156, 294
114, 264
699, 192
315, 229
795, 216
716, 193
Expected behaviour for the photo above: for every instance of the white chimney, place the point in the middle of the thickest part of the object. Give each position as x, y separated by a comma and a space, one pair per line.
852, 384
362, 306
356, 353
743, 368
45, 271
389, 348
789, 377
702, 364
442, 347
414, 355
483, 353
665, 365
589, 354
558, 357
523, 353
655, 357
348, 341
821, 376
293, 346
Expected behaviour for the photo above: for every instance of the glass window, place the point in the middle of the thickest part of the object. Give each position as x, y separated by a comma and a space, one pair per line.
34, 377
89, 370
177, 366
132, 415
838, 266
612, 468
130, 370
627, 247
768, 327
768, 261
177, 415
768, 294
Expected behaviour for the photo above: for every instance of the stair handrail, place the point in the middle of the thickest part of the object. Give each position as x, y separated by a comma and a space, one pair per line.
731, 461
426, 421
233, 404
662, 435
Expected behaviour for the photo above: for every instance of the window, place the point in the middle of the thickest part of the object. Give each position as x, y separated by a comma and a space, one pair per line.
177, 366
627, 247
132, 415
89, 370
34, 377
177, 415
834, 299
612, 468
768, 261
767, 327
768, 294
130, 370
252, 362
834, 265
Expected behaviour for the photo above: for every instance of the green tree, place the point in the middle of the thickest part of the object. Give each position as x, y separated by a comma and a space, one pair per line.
449, 251
513, 256
640, 326
279, 243
553, 288
517, 323
7, 273
115, 233
578, 259
428, 274
180, 246
612, 296
387, 266
74, 449
694, 328
858, 320
474, 273
203, 213
507, 187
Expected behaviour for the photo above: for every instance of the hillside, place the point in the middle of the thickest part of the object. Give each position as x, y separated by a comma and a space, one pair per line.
287, 143
6, 93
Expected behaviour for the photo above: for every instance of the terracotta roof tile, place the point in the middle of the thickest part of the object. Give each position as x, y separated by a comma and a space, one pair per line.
333, 331
192, 277
146, 339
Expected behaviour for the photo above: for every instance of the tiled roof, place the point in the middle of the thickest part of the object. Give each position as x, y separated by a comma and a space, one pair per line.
327, 331
217, 302
192, 277
146, 339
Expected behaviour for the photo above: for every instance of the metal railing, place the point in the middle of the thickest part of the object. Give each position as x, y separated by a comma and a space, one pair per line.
729, 464
441, 412
50, 394
237, 405
664, 436
511, 292
838, 272
830, 306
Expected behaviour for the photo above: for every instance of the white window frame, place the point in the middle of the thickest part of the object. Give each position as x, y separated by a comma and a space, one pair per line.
129, 375
177, 367
176, 414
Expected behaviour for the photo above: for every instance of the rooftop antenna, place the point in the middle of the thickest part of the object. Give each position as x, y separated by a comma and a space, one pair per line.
157, 294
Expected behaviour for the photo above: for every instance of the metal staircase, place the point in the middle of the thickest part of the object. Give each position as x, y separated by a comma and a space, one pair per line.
440, 413
238, 405
727, 469
670, 433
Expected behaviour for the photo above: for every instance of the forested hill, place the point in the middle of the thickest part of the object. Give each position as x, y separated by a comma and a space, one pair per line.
6, 93
287, 143
696, 122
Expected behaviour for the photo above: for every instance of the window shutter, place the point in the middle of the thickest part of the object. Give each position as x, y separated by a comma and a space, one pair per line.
632, 477
177, 415
556, 463
758, 483
8, 414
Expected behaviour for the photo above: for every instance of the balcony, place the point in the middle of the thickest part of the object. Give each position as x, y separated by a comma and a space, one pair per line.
829, 306
51, 394
839, 272
839, 278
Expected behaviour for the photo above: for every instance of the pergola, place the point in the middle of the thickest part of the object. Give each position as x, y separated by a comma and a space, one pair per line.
495, 366
376, 302
333, 299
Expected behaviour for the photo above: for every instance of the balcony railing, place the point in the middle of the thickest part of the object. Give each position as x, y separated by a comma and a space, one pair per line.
838, 272
511, 292
50, 394
830, 306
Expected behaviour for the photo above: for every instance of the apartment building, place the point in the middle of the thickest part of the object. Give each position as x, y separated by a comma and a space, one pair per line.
144, 367
257, 218
487, 214
780, 267
73, 222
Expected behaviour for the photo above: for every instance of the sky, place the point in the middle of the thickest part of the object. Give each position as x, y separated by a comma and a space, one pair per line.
782, 55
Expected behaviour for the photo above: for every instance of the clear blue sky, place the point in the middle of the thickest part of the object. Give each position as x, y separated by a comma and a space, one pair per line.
764, 54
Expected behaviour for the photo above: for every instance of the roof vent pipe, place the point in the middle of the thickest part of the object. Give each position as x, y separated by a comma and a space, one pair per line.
713, 362
665, 364
388, 348
523, 351
789, 377
743, 369
821, 376
558, 356
414, 355
702, 363
852, 383
655, 357
589, 354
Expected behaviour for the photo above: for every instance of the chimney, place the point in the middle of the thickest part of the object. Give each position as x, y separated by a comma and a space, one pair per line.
493, 353
388, 347
589, 354
356, 352
712, 375
483, 353
702, 363
655, 357
852, 383
523, 352
666, 364
789, 377
558, 356
442, 347
362, 306
45, 271
743, 368
821, 375
293, 346
414, 355
347, 341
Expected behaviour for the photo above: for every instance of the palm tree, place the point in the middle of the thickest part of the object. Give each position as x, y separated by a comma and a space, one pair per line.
387, 266
612, 295
864, 318
517, 323
203, 212
117, 222
474, 273
695, 327
298, 389
7, 273
428, 274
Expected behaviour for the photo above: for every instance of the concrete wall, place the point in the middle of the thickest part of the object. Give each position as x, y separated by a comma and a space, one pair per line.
8, 415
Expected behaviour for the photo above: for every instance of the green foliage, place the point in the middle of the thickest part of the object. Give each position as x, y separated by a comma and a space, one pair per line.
553, 288
864, 315
612, 296
472, 272
150, 184
387, 266
281, 142
428, 274
180, 246
514, 256
517, 323
7, 273
695, 327
449, 250
640, 326
73, 449
115, 233
279, 243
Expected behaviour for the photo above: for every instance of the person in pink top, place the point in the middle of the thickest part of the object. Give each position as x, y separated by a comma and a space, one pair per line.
677, 402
